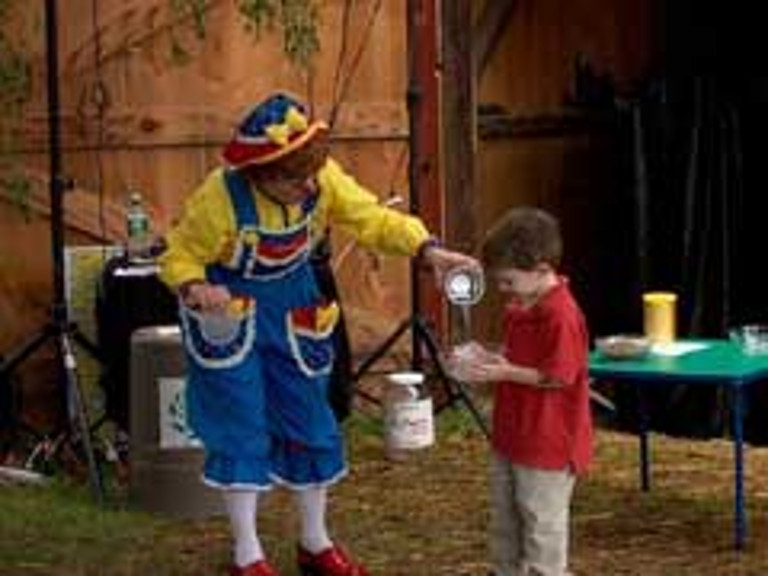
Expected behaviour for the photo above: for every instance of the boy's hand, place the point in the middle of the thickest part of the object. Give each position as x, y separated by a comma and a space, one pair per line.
479, 372
206, 297
473, 363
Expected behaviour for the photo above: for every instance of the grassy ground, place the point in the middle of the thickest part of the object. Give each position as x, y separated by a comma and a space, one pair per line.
427, 516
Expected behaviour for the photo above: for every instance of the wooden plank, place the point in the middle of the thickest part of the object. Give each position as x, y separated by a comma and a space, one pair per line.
458, 120
488, 30
556, 123
156, 125
427, 84
533, 64
425, 144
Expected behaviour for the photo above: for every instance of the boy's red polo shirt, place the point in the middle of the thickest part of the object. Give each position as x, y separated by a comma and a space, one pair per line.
546, 428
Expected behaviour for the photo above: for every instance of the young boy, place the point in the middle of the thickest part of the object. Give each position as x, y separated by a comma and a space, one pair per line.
542, 427
258, 396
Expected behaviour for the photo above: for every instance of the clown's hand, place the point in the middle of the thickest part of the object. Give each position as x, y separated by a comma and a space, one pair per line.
205, 297
442, 260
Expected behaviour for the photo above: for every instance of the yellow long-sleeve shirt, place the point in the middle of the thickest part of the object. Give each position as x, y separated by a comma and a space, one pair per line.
207, 229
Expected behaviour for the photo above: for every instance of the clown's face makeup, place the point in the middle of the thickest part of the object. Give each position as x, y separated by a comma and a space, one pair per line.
288, 190
291, 179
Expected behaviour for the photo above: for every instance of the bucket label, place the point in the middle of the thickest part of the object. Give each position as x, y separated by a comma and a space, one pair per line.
409, 424
175, 432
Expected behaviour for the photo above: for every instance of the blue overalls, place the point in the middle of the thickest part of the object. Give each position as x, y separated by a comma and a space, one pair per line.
257, 394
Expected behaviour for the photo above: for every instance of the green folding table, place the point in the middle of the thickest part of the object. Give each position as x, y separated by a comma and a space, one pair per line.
716, 362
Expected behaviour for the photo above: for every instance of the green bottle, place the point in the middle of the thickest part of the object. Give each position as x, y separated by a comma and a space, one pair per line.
138, 228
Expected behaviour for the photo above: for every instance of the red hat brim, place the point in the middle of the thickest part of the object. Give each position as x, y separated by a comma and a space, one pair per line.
238, 153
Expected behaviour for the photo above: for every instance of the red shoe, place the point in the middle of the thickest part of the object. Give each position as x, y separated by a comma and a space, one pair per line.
332, 561
260, 568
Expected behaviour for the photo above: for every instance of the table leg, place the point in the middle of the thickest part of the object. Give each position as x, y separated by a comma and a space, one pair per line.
645, 466
740, 522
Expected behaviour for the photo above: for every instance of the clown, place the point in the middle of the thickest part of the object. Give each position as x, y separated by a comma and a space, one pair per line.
257, 329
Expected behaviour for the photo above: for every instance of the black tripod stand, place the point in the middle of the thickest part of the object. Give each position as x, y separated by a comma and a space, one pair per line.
422, 336
59, 328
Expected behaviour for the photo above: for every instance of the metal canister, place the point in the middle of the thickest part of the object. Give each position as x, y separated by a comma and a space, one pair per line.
165, 458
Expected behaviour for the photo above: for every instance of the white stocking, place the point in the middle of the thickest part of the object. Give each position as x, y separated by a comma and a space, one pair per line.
241, 508
312, 504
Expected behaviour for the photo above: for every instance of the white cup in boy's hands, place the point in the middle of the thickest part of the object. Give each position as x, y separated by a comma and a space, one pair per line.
472, 362
467, 352
476, 352
463, 357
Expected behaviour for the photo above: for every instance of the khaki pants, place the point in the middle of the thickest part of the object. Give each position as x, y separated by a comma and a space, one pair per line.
529, 519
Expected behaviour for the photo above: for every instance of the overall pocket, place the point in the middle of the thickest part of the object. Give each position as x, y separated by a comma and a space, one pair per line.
219, 340
310, 335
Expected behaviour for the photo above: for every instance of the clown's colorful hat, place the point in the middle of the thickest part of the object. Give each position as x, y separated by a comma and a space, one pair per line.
274, 128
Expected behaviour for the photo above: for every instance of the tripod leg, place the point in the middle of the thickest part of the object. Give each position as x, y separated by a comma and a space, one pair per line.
27, 348
456, 392
381, 351
85, 342
7, 413
377, 354
368, 396
463, 394
78, 416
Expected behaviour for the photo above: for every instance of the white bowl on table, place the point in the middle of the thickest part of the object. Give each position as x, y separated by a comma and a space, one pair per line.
623, 346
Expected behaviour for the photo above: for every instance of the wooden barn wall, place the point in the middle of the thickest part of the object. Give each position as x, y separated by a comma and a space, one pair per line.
551, 154
163, 125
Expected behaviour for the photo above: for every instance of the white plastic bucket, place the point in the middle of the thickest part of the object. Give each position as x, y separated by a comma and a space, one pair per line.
408, 419
219, 328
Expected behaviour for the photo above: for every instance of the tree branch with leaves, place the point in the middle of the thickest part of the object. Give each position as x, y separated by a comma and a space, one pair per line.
298, 20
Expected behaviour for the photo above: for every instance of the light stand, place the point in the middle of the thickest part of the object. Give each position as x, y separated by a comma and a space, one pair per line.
421, 333
59, 327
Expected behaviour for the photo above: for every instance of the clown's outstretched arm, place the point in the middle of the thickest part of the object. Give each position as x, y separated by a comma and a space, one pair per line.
379, 227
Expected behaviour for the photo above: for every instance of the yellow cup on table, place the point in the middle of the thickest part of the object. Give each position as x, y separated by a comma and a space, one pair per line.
660, 316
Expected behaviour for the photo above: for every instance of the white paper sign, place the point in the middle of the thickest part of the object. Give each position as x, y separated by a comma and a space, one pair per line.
175, 432
676, 348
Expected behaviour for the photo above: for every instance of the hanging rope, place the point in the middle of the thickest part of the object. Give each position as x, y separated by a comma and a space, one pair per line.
341, 86
346, 15
100, 99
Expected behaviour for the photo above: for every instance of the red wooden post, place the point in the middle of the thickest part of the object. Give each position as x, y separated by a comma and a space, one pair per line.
430, 200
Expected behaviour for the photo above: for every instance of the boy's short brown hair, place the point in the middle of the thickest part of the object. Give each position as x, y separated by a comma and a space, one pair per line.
523, 238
